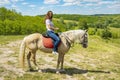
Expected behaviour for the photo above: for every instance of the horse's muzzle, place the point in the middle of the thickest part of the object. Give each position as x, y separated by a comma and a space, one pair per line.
85, 45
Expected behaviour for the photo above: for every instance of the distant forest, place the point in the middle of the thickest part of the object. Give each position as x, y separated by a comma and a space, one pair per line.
14, 23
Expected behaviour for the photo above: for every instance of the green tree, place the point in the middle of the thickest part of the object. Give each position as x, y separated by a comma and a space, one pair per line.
3, 13
83, 24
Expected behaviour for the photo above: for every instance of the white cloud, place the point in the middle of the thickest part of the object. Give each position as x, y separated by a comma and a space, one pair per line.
67, 4
14, 0
51, 1
88, 2
71, 2
105, 2
115, 5
41, 8
25, 3
13, 6
32, 6
92, 0
3, 2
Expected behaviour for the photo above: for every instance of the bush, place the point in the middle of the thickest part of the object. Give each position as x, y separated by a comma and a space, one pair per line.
91, 31
116, 25
106, 34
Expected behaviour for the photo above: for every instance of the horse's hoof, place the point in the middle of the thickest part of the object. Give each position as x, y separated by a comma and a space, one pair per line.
57, 72
40, 71
30, 70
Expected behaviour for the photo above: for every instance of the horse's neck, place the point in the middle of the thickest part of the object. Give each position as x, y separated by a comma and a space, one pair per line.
69, 36
73, 35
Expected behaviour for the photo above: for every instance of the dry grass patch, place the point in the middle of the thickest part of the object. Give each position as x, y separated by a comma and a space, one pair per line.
100, 61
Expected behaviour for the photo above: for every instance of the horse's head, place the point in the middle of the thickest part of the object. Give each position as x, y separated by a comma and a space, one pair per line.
84, 39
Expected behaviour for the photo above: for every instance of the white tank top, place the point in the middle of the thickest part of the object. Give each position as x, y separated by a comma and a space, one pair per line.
49, 22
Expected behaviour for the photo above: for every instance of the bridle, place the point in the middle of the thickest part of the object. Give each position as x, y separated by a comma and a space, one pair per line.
84, 42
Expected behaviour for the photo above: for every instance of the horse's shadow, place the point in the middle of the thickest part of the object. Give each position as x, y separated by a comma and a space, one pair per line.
71, 71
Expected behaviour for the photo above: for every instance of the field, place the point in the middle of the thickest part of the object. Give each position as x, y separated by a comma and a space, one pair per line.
100, 61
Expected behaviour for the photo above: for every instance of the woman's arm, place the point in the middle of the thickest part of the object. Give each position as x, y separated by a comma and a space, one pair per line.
53, 28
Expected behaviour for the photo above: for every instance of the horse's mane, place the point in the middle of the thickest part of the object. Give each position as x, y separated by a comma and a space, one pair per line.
72, 35
73, 31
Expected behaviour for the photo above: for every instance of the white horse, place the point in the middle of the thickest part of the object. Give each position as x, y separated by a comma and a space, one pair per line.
34, 42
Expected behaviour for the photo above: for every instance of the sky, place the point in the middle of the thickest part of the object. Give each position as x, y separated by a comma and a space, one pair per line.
84, 7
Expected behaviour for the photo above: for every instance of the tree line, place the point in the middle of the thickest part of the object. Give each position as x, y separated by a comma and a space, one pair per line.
13, 23
101, 24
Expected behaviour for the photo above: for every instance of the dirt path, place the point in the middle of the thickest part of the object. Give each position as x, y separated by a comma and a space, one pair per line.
8, 60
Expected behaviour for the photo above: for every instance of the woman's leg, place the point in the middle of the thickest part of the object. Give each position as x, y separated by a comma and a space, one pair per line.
56, 43
55, 38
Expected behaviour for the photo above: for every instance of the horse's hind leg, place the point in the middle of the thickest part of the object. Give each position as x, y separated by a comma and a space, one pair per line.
34, 60
28, 60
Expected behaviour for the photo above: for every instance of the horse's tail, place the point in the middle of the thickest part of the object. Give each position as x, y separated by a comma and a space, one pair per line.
22, 53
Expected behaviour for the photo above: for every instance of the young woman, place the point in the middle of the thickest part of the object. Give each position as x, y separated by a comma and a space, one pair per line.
50, 30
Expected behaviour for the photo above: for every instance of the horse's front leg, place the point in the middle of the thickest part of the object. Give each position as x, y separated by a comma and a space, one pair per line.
58, 63
62, 62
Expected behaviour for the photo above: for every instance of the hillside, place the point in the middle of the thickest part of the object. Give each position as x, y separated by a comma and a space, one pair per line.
13, 23
100, 61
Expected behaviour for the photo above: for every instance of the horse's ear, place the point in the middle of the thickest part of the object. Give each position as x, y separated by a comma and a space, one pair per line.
86, 30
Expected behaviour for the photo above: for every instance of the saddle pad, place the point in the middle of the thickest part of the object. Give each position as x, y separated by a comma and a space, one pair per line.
47, 42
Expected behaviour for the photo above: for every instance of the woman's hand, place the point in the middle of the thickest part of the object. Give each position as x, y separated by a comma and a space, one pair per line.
56, 28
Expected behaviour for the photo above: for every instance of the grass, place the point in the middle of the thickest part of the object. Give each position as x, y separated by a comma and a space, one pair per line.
115, 32
100, 61
66, 21
7, 39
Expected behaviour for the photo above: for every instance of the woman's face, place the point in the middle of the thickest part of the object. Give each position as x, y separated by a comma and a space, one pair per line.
50, 14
